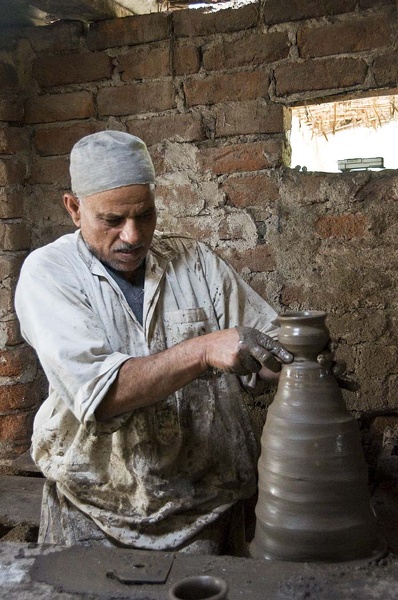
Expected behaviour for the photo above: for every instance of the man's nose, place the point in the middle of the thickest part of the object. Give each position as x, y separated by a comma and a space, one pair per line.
130, 233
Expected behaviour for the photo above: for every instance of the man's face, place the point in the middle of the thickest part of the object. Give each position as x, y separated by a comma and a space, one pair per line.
117, 225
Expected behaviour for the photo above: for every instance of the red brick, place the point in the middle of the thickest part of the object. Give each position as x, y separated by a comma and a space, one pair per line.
13, 363
19, 395
11, 206
249, 117
17, 426
11, 172
186, 59
139, 29
10, 266
14, 236
242, 157
347, 36
257, 259
65, 69
10, 333
190, 23
8, 76
185, 127
11, 108
51, 171
137, 98
13, 140
59, 107
319, 75
50, 141
349, 226
234, 87
253, 49
145, 61
251, 190
385, 69
61, 36
276, 11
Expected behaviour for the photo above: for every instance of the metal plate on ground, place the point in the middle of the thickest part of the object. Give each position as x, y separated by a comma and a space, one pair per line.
100, 570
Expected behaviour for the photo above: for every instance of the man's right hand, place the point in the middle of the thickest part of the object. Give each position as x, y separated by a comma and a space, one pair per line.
244, 350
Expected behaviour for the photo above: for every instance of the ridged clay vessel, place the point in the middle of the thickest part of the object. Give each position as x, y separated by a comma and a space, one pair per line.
314, 502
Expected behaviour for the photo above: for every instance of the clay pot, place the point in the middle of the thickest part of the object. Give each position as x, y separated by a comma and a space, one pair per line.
199, 587
314, 503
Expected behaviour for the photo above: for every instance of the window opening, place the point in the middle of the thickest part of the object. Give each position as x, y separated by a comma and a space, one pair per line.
349, 135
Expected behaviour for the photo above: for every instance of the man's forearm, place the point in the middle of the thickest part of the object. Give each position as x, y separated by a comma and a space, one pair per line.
146, 380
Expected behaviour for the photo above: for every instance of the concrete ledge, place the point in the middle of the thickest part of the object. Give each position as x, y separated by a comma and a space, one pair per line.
20, 500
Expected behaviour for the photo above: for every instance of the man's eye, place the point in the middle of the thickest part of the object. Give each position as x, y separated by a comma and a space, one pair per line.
146, 215
112, 222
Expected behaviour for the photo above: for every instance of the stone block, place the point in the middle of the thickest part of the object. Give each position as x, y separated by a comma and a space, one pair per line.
50, 170
311, 75
10, 333
385, 69
8, 76
251, 190
59, 139
59, 107
137, 98
232, 87
375, 3
298, 10
11, 205
186, 127
180, 200
16, 427
13, 363
257, 259
13, 140
145, 62
191, 23
347, 226
355, 35
10, 264
12, 172
14, 236
65, 69
129, 31
11, 108
252, 49
7, 309
242, 118
186, 59
61, 36
241, 157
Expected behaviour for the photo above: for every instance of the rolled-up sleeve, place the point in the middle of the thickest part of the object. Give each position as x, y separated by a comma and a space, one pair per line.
69, 337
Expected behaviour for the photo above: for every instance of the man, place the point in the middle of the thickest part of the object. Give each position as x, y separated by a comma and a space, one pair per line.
147, 341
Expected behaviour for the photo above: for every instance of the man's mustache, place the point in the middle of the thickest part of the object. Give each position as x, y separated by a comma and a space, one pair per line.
127, 247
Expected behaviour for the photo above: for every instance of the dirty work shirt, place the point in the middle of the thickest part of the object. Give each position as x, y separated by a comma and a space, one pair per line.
154, 477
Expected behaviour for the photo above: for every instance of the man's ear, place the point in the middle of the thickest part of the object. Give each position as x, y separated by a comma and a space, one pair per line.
72, 205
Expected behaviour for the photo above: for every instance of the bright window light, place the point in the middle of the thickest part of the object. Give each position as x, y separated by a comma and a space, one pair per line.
325, 137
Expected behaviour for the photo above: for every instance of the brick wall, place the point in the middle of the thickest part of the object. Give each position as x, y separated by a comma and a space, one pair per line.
210, 94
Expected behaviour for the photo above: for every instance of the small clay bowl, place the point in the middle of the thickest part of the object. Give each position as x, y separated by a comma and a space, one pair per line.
199, 587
